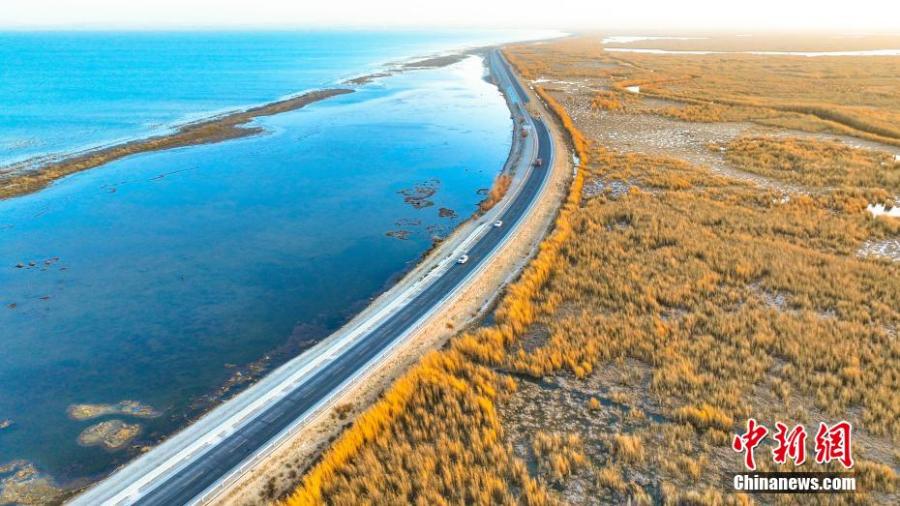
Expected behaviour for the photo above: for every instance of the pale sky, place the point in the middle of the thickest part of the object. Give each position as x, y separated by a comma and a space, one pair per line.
624, 15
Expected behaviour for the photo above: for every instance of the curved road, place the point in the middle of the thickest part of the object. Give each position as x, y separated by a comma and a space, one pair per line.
222, 457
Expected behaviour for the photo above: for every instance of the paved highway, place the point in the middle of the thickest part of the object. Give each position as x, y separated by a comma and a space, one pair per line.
221, 456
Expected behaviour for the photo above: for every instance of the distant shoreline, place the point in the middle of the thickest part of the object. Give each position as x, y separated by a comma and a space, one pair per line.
26, 180
35, 174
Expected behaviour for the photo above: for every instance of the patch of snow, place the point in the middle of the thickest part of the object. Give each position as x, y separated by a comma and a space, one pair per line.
888, 248
879, 210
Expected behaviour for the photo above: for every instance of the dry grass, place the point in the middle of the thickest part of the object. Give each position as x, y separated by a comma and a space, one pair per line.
734, 301
769, 42
853, 96
857, 96
612, 101
707, 112
817, 164
696, 255
558, 454
495, 195
680, 274
400, 451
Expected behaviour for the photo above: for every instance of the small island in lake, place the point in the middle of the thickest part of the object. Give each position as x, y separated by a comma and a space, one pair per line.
111, 434
126, 408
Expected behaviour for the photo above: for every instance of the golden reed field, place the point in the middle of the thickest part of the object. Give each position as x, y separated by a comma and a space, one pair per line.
712, 262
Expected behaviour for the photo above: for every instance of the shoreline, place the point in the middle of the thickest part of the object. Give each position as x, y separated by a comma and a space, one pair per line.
22, 181
36, 173
418, 63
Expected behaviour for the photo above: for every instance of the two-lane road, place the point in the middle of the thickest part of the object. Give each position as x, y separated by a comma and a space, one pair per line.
220, 458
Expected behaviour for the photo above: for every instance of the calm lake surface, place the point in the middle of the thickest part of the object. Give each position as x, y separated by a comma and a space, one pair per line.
159, 277
64, 91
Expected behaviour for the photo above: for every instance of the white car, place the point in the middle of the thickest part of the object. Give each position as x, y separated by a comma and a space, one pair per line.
498, 223
463, 259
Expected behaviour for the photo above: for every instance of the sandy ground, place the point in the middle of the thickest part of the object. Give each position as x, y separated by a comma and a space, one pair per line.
282, 470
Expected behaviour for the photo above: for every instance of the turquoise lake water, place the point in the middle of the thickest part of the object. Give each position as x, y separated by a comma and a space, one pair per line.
160, 276
64, 91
